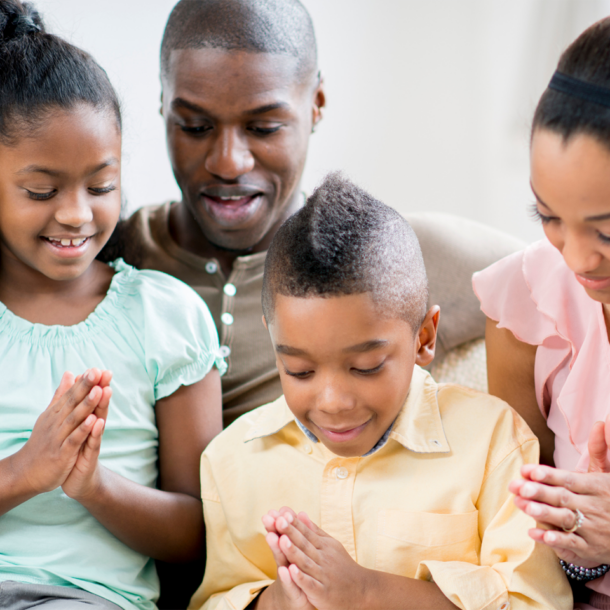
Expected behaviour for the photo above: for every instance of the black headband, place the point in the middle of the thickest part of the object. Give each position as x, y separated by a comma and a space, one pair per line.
580, 89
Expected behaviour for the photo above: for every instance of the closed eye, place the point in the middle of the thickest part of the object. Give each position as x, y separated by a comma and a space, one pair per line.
369, 371
536, 215
196, 131
40, 196
299, 375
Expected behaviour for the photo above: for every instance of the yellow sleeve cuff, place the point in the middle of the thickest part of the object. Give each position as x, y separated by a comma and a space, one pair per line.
468, 586
238, 598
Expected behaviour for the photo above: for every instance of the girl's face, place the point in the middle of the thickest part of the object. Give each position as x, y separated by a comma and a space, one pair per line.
571, 183
60, 192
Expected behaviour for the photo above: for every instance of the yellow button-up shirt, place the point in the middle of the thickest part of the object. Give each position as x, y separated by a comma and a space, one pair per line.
431, 503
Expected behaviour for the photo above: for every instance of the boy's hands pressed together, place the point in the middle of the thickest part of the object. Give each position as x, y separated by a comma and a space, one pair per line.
320, 566
283, 593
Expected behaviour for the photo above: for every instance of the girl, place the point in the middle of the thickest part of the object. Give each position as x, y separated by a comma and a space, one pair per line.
80, 516
549, 317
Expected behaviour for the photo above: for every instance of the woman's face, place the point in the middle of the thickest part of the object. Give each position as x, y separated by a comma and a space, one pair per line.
60, 192
571, 182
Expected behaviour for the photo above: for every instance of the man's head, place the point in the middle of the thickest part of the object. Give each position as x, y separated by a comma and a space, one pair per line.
344, 299
241, 94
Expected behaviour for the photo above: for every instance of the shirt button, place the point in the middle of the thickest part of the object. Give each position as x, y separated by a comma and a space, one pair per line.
224, 351
505, 606
211, 267
342, 473
226, 318
229, 290
307, 448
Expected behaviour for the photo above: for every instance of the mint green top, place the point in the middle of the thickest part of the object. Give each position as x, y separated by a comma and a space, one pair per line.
155, 334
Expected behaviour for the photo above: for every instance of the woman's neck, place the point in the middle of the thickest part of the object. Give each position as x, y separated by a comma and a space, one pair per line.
41, 300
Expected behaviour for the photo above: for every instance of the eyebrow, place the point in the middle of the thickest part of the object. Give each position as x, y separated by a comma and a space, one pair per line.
360, 348
597, 218
180, 102
40, 169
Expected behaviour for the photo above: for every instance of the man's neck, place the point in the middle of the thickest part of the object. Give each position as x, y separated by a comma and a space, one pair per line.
185, 231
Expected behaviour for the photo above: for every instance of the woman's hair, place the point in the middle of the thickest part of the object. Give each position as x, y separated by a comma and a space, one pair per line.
40, 72
586, 59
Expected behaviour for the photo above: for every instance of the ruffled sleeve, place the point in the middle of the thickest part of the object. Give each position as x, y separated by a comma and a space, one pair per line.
535, 295
178, 338
505, 297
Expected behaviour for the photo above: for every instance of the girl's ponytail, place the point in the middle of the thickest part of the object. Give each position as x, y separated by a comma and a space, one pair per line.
40, 72
18, 20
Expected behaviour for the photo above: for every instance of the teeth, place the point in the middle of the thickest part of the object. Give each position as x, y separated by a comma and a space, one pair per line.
75, 243
236, 198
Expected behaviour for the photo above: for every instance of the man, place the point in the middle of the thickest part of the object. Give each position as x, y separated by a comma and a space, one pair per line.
241, 95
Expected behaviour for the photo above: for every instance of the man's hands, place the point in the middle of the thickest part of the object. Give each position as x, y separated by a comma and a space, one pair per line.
314, 570
65, 441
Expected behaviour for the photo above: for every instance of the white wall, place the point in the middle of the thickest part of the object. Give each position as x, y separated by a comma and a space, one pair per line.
429, 102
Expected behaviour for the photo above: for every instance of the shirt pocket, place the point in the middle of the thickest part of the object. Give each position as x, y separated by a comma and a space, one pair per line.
405, 539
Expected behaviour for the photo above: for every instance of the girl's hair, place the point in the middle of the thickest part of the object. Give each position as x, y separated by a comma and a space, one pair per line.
586, 59
40, 72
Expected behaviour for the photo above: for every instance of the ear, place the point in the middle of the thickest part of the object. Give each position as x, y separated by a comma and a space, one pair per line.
265, 323
426, 338
319, 101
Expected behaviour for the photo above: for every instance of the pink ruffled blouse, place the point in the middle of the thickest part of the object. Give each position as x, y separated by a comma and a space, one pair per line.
534, 294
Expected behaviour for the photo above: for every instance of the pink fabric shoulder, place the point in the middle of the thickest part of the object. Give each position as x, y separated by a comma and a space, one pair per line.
534, 295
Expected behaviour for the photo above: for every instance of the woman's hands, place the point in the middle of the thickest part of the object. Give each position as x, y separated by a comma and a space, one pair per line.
552, 496
64, 443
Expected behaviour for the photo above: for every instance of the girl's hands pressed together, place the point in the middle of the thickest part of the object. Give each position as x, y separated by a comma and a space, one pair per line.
47, 459
552, 496
84, 478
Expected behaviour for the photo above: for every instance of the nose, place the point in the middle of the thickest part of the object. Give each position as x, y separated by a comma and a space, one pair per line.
580, 251
73, 210
333, 398
230, 156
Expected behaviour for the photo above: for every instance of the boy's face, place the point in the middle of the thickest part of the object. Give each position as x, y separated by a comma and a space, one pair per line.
346, 370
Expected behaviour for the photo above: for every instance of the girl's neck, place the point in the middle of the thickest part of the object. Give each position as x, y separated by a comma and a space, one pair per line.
41, 300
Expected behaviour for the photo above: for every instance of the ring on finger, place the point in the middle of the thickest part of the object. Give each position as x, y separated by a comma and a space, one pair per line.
579, 519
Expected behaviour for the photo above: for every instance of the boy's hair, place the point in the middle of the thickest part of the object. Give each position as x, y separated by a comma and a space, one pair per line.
259, 26
586, 59
344, 241
40, 72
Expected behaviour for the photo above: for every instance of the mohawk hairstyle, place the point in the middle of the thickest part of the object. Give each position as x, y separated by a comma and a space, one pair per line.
344, 241
281, 27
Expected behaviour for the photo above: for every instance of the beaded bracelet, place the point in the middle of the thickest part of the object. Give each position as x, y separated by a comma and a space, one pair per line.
583, 574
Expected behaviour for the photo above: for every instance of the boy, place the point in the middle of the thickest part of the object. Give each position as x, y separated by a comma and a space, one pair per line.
403, 482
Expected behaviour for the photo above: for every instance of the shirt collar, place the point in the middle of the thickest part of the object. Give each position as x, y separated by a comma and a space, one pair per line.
418, 426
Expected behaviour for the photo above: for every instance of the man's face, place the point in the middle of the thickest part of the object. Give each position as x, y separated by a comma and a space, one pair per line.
345, 369
238, 126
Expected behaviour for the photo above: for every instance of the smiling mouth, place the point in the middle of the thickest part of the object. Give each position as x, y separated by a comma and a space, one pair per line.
232, 210
344, 435
593, 283
76, 242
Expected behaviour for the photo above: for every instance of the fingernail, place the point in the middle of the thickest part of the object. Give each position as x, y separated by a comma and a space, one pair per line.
538, 474
90, 376
535, 510
90, 419
551, 537
282, 522
92, 393
288, 543
289, 518
528, 490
